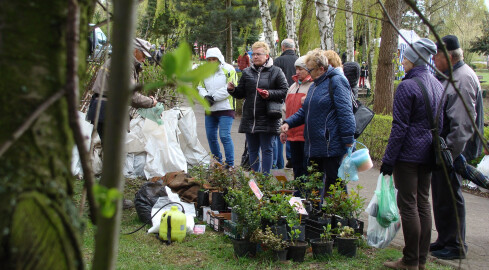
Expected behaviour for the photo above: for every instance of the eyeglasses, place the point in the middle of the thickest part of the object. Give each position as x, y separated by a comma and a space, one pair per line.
310, 70
258, 54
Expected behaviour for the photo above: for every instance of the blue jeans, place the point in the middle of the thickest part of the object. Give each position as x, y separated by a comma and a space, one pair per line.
288, 153
223, 124
263, 142
278, 153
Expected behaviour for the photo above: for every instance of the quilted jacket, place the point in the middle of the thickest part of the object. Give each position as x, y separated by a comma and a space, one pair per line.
411, 139
328, 128
271, 78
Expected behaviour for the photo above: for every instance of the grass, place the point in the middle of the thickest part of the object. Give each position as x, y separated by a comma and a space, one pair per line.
212, 250
485, 78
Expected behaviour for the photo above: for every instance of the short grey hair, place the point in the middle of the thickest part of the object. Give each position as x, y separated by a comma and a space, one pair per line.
317, 58
457, 55
288, 43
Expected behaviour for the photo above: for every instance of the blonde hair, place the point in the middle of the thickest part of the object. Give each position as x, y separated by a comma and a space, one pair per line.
317, 58
333, 58
261, 44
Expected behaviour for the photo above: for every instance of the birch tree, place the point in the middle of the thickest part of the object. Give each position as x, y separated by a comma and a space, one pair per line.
326, 20
350, 41
267, 25
290, 22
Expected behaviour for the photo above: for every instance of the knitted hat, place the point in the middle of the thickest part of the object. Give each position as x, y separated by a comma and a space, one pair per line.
352, 72
450, 41
425, 47
300, 62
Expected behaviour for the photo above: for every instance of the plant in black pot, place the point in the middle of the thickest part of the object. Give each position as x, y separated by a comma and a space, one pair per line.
272, 210
297, 248
220, 180
309, 186
245, 206
323, 246
347, 242
201, 173
271, 241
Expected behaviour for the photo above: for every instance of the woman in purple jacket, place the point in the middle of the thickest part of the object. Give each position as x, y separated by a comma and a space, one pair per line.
409, 154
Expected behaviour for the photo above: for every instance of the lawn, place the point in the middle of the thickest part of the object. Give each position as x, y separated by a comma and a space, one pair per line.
212, 250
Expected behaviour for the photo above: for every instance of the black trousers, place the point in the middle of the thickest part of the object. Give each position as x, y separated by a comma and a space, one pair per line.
299, 161
329, 167
412, 181
451, 234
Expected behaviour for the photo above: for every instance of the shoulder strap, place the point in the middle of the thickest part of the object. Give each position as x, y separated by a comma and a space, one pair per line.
427, 103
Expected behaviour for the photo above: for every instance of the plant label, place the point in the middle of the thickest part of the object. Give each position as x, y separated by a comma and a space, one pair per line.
199, 229
280, 175
297, 204
254, 187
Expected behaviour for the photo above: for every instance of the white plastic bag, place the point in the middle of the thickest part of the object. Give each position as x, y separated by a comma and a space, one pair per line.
378, 236
164, 154
86, 128
483, 167
194, 152
134, 165
172, 197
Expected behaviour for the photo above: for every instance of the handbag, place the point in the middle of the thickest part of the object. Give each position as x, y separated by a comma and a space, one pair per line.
440, 146
363, 115
274, 109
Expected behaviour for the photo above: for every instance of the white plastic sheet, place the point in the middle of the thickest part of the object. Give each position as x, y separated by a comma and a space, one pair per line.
194, 152
172, 197
163, 149
135, 139
134, 165
483, 167
86, 128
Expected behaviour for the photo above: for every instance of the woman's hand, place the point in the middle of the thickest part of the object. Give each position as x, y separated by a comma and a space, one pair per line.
283, 137
284, 128
154, 101
231, 87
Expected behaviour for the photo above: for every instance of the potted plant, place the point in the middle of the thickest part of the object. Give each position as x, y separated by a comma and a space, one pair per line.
245, 206
347, 241
272, 213
270, 240
297, 248
201, 173
324, 245
219, 178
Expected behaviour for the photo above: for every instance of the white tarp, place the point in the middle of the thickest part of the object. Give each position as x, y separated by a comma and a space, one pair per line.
86, 128
192, 149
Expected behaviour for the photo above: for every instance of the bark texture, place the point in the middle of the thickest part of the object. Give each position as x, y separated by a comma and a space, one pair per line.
290, 22
326, 19
267, 25
350, 41
384, 86
39, 223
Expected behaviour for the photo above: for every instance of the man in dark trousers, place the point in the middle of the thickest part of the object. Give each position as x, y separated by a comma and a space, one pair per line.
286, 61
461, 139
363, 75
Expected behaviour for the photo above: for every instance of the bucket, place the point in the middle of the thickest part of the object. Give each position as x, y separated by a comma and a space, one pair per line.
362, 160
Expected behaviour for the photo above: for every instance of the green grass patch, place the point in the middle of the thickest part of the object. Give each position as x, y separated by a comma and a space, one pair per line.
211, 250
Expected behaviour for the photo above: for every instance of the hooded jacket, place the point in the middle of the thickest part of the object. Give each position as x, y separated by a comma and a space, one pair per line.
328, 127
293, 103
268, 77
411, 139
216, 85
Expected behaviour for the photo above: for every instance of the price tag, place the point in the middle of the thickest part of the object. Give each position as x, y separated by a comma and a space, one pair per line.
254, 187
297, 204
280, 175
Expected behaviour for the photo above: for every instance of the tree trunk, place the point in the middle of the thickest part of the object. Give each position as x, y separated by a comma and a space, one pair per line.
384, 86
290, 22
39, 222
332, 19
229, 35
427, 14
326, 19
267, 26
107, 235
350, 41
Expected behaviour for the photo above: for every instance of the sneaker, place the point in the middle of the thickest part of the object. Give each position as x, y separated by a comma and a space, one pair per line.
399, 264
448, 254
288, 164
436, 246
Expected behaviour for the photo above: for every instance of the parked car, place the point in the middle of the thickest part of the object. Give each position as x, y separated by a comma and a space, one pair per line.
97, 44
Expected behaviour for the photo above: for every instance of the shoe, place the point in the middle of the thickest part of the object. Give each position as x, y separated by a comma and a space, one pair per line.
288, 164
436, 246
127, 204
399, 264
448, 254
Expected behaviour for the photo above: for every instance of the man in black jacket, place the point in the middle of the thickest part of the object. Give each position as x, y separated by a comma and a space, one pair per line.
286, 61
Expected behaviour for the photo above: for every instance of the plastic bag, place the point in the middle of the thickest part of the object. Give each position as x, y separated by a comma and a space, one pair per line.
348, 170
153, 114
386, 196
146, 197
378, 236
192, 149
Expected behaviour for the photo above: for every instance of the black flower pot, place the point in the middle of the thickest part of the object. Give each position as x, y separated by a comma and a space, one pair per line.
280, 255
347, 246
202, 198
302, 228
297, 251
321, 248
280, 230
218, 203
244, 248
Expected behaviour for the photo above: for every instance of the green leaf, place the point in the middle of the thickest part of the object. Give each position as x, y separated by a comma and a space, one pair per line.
169, 64
106, 199
183, 58
154, 85
200, 73
192, 93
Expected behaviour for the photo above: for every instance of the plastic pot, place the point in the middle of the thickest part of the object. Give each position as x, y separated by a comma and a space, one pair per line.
244, 248
280, 255
321, 248
347, 246
297, 251
202, 198
218, 203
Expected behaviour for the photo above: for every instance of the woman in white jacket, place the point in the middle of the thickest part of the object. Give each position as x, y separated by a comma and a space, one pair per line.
221, 115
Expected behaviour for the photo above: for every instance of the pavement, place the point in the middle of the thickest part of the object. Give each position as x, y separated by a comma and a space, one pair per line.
477, 208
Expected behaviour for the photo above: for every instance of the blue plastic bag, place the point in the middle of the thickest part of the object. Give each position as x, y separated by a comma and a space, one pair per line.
348, 171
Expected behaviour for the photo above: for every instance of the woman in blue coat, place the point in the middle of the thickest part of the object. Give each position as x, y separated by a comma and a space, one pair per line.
329, 124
